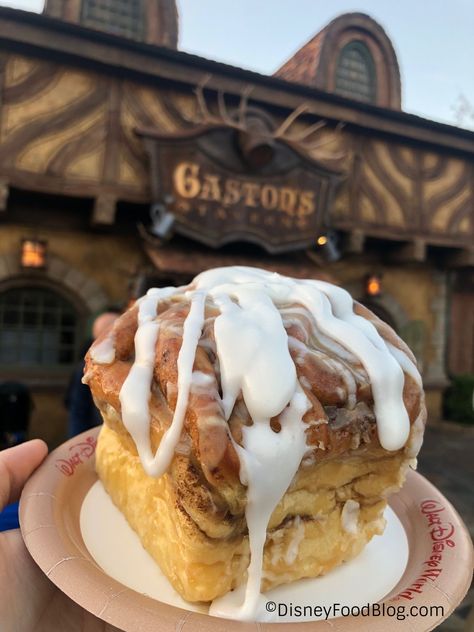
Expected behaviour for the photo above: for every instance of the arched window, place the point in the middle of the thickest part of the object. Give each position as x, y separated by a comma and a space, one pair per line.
120, 17
38, 327
355, 73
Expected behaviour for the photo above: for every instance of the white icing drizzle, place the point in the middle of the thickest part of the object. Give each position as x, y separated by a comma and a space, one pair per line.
268, 463
201, 381
347, 377
252, 347
337, 350
294, 545
278, 551
103, 352
335, 365
136, 389
404, 361
350, 516
333, 310
135, 412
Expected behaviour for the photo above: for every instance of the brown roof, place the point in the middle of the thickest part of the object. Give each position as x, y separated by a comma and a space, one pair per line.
302, 67
311, 64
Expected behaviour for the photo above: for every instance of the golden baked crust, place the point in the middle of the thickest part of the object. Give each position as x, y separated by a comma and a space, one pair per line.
306, 536
192, 519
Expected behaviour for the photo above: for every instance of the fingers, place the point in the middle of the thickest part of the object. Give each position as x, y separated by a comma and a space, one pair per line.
16, 466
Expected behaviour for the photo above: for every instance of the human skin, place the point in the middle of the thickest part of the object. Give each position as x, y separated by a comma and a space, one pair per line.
29, 602
102, 323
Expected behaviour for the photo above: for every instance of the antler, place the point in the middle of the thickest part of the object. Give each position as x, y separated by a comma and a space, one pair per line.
298, 138
244, 104
225, 116
206, 117
317, 144
206, 114
303, 138
237, 120
288, 122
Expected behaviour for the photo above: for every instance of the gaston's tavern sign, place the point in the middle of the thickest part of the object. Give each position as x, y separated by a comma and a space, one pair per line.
235, 179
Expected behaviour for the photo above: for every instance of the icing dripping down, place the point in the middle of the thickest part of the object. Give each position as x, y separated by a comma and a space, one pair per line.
268, 463
252, 347
253, 351
293, 547
350, 516
103, 352
136, 389
135, 413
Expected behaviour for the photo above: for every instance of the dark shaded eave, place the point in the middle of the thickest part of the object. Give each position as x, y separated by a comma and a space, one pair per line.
40, 35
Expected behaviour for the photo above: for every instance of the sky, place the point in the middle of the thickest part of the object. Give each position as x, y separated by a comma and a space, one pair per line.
434, 41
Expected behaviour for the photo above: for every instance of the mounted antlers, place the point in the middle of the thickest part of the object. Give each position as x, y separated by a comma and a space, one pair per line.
206, 117
238, 119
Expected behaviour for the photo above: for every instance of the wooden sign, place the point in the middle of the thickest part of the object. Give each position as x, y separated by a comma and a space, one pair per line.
219, 195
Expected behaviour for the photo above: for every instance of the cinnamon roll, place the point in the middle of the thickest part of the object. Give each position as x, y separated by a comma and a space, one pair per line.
254, 426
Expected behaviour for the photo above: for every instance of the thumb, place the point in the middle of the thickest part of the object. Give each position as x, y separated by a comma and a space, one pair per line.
16, 466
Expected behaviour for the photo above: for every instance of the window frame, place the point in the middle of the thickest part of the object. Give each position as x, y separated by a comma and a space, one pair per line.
369, 62
99, 14
45, 374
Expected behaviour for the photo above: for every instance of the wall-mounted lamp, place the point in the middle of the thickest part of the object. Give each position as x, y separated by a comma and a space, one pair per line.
322, 240
162, 221
327, 245
33, 253
373, 285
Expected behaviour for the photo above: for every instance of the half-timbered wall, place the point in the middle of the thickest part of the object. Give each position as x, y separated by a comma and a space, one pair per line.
67, 130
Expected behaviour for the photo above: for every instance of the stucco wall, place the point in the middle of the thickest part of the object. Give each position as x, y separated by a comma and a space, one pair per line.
106, 259
414, 296
95, 270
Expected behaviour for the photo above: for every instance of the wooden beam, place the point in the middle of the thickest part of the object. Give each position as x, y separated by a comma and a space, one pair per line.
461, 259
354, 241
4, 193
391, 233
59, 185
105, 207
415, 251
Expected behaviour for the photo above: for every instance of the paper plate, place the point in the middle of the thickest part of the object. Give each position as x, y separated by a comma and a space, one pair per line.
436, 578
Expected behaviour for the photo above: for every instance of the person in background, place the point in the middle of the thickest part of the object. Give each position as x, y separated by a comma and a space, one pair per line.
82, 412
15, 408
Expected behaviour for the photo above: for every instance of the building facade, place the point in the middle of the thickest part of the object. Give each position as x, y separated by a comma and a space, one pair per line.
125, 163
